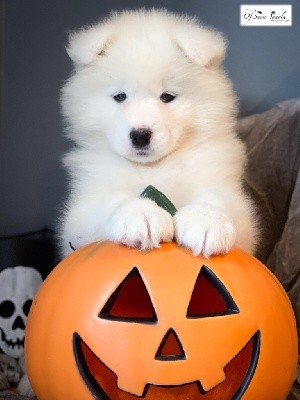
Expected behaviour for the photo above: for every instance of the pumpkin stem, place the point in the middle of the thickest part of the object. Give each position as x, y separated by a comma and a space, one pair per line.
159, 198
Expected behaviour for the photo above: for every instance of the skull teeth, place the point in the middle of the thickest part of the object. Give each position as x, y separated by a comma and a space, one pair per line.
11, 343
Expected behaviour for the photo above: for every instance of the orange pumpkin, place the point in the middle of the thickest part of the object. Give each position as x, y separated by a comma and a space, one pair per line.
113, 323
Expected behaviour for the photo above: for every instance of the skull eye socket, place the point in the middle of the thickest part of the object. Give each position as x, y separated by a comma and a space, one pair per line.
210, 298
26, 307
130, 302
7, 309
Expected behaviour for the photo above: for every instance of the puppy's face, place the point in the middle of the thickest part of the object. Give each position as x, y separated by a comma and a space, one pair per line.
147, 109
142, 92
147, 123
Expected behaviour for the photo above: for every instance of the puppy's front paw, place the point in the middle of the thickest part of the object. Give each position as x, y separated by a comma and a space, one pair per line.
141, 223
204, 229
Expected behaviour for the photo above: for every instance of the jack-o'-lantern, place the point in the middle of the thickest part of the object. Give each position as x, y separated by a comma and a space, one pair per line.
113, 323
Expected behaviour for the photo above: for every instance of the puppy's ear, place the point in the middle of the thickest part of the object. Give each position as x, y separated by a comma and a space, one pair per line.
201, 45
86, 44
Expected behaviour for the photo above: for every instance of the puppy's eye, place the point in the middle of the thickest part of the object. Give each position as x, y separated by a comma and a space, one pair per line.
167, 97
120, 97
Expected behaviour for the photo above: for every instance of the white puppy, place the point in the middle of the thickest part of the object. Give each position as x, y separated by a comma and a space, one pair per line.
149, 103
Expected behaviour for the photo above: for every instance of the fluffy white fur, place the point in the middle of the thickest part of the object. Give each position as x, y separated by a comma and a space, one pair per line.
194, 156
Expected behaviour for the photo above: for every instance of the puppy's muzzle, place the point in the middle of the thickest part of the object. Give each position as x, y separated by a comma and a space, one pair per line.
140, 138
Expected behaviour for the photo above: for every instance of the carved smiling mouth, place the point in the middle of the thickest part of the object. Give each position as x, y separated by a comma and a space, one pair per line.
102, 382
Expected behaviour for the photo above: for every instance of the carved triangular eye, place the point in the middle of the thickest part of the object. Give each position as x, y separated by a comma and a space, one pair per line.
130, 302
210, 297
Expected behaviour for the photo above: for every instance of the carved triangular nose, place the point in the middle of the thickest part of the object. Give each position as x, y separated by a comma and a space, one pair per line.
170, 348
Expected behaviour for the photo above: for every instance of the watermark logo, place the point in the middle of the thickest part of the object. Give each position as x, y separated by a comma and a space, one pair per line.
266, 15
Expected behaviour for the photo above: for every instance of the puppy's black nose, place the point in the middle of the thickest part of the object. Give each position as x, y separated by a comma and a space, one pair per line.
140, 137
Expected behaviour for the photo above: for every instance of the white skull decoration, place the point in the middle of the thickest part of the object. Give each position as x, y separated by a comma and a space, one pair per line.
18, 286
